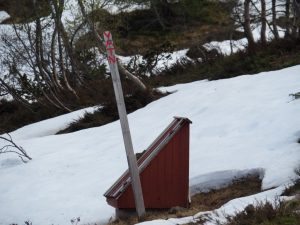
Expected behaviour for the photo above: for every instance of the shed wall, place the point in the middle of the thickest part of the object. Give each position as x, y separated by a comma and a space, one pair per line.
165, 181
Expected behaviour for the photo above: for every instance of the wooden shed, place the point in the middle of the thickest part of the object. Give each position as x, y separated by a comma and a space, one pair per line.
164, 172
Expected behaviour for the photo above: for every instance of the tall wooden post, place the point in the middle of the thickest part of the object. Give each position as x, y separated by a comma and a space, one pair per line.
131, 159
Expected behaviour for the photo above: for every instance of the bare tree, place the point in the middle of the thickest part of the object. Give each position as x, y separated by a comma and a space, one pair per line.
27, 49
41, 62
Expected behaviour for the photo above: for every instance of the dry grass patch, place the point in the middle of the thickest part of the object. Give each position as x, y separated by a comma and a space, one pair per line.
282, 213
204, 201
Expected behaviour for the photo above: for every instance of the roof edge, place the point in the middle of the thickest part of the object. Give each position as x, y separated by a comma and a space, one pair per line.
183, 118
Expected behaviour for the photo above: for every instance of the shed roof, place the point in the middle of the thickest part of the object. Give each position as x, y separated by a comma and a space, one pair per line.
157, 145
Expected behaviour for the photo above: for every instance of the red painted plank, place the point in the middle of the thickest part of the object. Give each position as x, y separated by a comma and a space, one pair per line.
165, 180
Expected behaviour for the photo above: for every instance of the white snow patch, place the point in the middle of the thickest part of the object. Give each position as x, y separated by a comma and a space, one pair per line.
3, 16
228, 47
220, 179
50, 126
115, 9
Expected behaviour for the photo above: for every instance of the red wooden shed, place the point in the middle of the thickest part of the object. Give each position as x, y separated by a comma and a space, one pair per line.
164, 172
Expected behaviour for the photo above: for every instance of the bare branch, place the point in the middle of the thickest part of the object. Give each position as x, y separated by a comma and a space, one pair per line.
12, 147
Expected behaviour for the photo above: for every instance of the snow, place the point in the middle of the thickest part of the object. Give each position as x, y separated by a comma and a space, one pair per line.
228, 47
50, 126
220, 179
114, 9
247, 124
3, 16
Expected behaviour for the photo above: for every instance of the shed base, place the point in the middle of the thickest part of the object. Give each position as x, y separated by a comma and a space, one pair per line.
125, 213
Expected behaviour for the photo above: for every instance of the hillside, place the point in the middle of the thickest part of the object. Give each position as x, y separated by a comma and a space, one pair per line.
247, 123
230, 66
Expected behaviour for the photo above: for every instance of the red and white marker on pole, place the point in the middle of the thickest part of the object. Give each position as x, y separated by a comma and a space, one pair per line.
131, 159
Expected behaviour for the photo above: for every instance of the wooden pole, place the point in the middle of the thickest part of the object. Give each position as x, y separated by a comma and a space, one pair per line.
131, 159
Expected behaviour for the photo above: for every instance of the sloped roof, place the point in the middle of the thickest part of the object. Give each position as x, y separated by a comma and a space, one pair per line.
124, 181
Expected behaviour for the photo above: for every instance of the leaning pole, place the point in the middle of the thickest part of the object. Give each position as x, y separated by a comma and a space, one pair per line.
131, 159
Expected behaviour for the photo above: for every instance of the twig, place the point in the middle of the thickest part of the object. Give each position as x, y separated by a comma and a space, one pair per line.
16, 149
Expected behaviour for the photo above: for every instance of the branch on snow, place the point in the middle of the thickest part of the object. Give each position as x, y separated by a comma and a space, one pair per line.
11, 147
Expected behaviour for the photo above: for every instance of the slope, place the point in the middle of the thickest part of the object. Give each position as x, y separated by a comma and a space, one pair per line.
243, 123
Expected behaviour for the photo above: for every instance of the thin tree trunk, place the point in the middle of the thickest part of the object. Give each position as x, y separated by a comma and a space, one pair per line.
296, 10
53, 60
258, 10
287, 17
38, 53
247, 26
131, 77
263, 23
62, 67
56, 102
274, 20
295, 20
57, 9
158, 17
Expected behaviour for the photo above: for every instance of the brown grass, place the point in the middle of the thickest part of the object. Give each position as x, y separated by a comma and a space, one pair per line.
204, 201
294, 189
282, 213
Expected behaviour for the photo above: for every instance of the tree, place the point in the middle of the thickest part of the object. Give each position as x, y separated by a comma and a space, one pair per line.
287, 17
161, 8
30, 48
274, 20
296, 21
263, 22
247, 26
42, 63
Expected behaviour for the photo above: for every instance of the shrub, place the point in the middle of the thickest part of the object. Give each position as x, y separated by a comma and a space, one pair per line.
109, 113
14, 115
